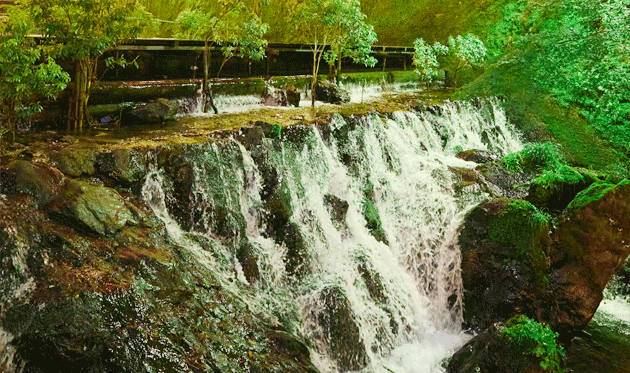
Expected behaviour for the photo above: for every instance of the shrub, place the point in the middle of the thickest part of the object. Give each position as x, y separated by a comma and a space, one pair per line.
531, 338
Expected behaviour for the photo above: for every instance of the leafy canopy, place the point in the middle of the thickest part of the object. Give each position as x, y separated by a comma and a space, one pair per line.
229, 23
27, 71
425, 59
462, 52
86, 28
355, 37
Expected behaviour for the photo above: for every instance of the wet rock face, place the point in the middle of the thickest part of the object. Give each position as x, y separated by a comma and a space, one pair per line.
341, 331
477, 156
331, 93
590, 244
337, 207
90, 282
504, 244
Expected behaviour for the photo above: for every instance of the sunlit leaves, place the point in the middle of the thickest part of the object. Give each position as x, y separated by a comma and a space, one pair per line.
229, 23
27, 73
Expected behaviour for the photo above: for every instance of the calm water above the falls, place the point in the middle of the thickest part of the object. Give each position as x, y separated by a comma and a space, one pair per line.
345, 234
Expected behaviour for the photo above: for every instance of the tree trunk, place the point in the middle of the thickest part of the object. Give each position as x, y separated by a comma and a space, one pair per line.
338, 70
206, 93
314, 78
78, 113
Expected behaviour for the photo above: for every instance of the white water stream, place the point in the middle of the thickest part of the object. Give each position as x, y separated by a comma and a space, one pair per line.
241, 103
397, 300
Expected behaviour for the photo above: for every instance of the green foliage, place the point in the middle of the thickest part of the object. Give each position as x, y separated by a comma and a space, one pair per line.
531, 338
27, 72
464, 51
535, 156
568, 63
228, 23
425, 59
356, 42
519, 19
563, 174
583, 60
338, 24
86, 28
546, 159
593, 193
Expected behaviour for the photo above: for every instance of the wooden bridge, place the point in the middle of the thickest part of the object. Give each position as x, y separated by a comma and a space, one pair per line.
182, 59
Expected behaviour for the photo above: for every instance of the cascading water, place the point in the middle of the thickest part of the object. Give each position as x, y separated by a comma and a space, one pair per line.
345, 233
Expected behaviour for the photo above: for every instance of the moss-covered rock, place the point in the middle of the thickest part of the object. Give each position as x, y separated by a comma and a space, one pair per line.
92, 208
76, 162
553, 190
24, 177
521, 345
504, 247
341, 330
590, 244
373, 221
331, 93
122, 167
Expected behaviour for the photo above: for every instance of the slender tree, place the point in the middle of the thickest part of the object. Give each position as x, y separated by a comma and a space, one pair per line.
85, 29
27, 72
425, 59
463, 51
336, 23
356, 43
228, 23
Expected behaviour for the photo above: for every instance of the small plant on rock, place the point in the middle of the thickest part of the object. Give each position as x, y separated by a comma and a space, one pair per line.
531, 338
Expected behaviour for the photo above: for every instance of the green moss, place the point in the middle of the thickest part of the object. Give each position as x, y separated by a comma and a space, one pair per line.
518, 225
543, 156
531, 338
276, 130
373, 220
521, 228
377, 77
593, 193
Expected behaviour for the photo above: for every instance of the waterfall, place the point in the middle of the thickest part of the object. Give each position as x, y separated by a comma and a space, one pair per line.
343, 233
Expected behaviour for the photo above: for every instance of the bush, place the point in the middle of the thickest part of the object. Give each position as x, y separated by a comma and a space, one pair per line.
533, 339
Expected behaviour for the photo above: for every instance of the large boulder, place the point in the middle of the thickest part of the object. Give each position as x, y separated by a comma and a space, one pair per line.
153, 112
75, 162
511, 264
91, 208
43, 183
504, 246
123, 167
590, 244
285, 96
331, 93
